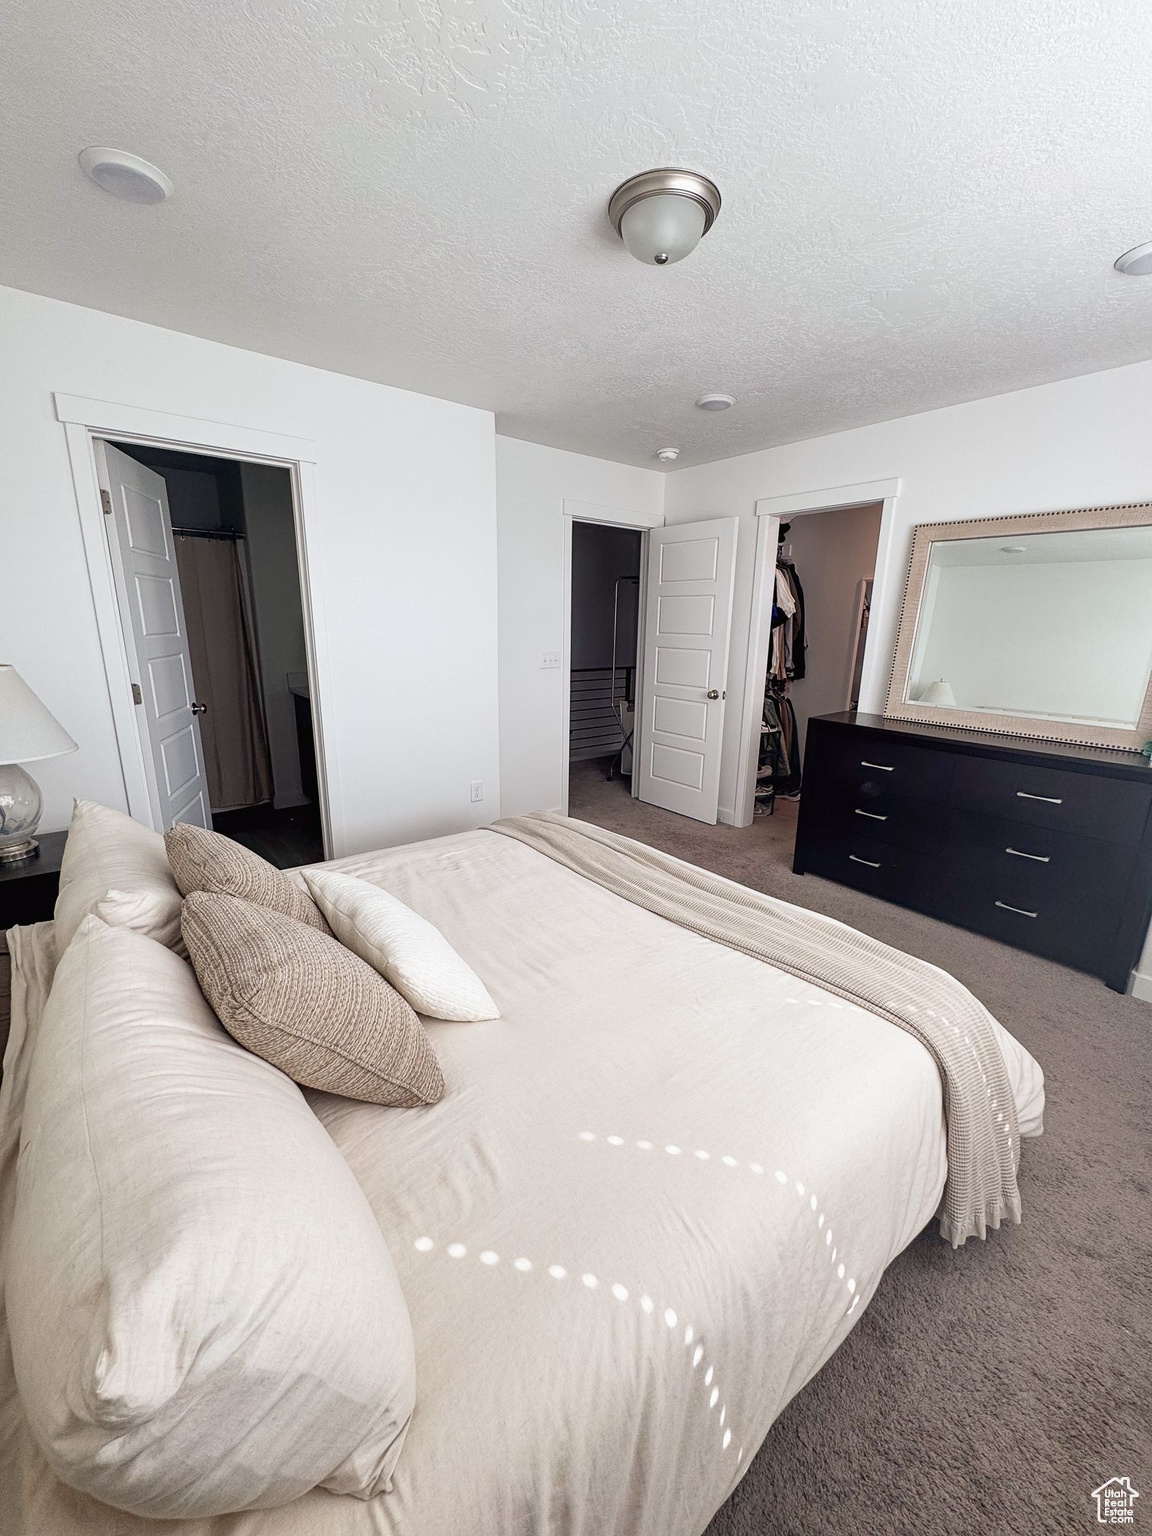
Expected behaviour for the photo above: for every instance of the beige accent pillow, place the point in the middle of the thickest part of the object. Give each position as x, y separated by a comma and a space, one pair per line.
404, 947
204, 1315
118, 869
209, 861
308, 1005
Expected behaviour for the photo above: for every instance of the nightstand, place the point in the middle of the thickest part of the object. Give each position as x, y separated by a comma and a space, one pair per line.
27, 895
28, 888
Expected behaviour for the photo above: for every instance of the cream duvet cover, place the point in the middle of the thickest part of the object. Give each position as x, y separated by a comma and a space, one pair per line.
658, 1193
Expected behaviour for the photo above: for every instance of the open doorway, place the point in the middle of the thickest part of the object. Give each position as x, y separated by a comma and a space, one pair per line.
207, 576
603, 652
825, 565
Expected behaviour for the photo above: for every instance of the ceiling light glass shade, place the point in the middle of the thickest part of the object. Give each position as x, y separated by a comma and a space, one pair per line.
664, 229
661, 215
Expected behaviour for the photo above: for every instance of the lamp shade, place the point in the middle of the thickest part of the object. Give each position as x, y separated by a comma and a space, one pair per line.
939, 693
27, 730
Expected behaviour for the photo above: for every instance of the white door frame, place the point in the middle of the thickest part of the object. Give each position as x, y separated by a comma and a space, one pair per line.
614, 517
770, 510
84, 421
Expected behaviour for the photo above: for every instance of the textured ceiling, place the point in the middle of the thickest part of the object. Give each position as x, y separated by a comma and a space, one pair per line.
922, 201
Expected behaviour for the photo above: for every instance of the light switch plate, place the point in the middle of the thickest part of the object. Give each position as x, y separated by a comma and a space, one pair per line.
549, 659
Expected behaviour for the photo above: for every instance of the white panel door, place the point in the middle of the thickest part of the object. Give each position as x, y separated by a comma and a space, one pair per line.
152, 613
687, 617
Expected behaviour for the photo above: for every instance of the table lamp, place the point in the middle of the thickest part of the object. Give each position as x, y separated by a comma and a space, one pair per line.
27, 733
939, 693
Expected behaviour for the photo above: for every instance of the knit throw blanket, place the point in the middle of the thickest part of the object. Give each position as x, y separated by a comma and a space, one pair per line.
951, 1025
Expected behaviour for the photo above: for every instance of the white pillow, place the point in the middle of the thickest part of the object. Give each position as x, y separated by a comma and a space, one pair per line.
203, 1313
116, 868
403, 946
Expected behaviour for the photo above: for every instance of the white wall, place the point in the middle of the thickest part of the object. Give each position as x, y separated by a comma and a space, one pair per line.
402, 536
1077, 443
271, 549
533, 483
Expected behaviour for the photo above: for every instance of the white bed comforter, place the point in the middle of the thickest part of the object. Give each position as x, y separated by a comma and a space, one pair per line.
656, 1196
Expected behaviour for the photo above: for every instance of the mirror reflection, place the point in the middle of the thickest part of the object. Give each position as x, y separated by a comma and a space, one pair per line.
1052, 626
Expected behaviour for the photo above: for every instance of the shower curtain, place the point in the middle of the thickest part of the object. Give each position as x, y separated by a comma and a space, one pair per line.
222, 641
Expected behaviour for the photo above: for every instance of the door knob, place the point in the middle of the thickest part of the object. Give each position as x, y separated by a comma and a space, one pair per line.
713, 693
199, 709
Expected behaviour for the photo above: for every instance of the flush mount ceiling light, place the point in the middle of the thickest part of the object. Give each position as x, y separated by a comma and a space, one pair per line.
715, 402
662, 215
667, 455
125, 175
1137, 262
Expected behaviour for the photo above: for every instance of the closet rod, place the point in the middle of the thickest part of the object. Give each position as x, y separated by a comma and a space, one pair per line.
208, 533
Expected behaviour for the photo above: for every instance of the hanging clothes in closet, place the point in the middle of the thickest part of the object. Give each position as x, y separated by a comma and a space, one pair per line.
778, 772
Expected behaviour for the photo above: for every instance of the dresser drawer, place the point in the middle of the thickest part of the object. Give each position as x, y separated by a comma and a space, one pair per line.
1019, 910
1031, 860
1114, 809
885, 817
869, 771
895, 874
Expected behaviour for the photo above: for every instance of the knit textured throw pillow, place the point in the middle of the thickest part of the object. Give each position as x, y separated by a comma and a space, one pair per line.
208, 861
309, 1006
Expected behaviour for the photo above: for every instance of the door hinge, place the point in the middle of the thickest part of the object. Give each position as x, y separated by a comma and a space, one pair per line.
106, 502
137, 695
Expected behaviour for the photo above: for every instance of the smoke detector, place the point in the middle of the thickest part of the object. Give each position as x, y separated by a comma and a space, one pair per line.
667, 455
714, 401
125, 175
1137, 262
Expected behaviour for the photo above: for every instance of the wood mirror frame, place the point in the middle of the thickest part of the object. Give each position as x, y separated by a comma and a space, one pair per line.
896, 707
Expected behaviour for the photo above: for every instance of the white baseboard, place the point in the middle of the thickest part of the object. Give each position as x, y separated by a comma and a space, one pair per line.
1140, 986
727, 817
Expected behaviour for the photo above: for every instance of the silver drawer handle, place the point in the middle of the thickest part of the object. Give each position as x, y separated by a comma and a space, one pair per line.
1041, 858
871, 863
883, 767
872, 815
1020, 910
1022, 794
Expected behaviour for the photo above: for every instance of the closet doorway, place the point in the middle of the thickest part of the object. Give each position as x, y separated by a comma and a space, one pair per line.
208, 583
825, 565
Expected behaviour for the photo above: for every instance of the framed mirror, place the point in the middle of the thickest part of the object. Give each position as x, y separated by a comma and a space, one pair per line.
1038, 626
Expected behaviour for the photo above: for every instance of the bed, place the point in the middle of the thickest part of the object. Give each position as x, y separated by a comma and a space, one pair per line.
658, 1194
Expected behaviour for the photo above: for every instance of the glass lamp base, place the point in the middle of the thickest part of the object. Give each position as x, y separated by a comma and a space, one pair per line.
12, 853
20, 807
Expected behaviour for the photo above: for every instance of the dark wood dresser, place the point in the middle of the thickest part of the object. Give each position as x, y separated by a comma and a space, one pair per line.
1038, 844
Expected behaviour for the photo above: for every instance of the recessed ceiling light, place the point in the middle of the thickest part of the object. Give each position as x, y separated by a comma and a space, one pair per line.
1137, 262
715, 402
667, 455
125, 175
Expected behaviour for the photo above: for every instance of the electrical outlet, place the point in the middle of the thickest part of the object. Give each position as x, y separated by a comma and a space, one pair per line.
476, 790
549, 659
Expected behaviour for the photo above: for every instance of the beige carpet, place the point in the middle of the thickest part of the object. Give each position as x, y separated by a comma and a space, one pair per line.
992, 1389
